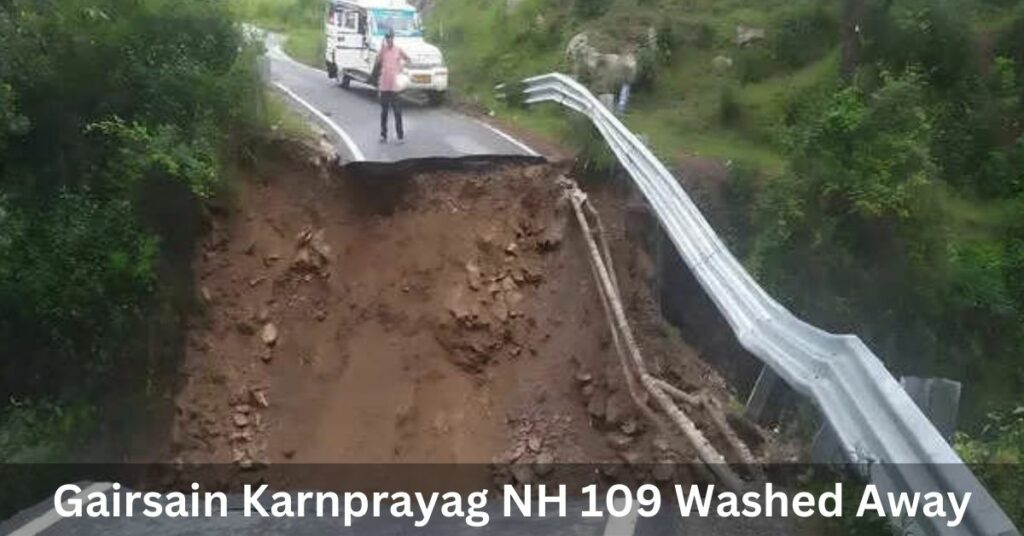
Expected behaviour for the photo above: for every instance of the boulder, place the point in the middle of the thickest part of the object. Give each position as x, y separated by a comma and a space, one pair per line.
746, 35
721, 64
606, 72
269, 334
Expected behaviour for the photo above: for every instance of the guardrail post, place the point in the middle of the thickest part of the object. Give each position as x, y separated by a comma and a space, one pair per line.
938, 398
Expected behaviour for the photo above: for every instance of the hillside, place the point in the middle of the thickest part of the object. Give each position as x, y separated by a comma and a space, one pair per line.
864, 158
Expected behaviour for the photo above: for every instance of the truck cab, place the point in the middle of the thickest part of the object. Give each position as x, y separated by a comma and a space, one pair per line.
354, 32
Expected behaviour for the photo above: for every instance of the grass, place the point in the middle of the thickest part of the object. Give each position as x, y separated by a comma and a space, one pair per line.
487, 43
284, 119
300, 21
306, 45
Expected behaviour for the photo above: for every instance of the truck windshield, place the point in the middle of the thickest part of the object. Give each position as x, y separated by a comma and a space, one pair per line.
404, 23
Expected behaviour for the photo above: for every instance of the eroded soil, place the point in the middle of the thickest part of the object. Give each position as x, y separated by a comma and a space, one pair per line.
445, 316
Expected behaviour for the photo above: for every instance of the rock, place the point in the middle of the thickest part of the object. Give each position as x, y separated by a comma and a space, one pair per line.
661, 444
619, 408
500, 310
263, 315
473, 277
244, 436
721, 64
320, 246
259, 399
241, 420
619, 441
552, 238
513, 454
303, 260
266, 356
320, 315
269, 334
288, 453
512, 249
256, 281
205, 293
630, 427
748, 34
584, 377
508, 284
607, 71
513, 298
244, 409
534, 443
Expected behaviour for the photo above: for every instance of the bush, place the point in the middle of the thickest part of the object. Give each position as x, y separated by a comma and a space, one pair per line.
930, 34
805, 35
123, 95
729, 110
754, 64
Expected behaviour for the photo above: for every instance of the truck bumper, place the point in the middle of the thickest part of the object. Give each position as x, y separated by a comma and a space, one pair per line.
433, 79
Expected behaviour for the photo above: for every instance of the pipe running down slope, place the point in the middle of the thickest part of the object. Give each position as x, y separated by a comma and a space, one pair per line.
878, 425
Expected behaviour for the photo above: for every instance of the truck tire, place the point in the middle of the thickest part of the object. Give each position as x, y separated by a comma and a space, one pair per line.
332, 70
436, 98
346, 80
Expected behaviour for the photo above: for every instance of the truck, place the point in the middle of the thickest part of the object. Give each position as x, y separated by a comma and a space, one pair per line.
354, 32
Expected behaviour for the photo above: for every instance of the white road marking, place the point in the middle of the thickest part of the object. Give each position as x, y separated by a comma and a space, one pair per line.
51, 516
276, 51
357, 154
522, 146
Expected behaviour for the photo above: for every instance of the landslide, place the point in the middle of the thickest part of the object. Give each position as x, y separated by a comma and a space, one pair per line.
418, 316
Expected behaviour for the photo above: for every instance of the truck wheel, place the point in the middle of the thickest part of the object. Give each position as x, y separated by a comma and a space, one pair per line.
435, 97
332, 70
345, 80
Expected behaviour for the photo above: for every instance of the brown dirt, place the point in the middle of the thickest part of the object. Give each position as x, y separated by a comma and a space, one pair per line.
448, 316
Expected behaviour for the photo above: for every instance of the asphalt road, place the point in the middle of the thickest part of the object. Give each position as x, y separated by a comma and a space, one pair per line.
352, 118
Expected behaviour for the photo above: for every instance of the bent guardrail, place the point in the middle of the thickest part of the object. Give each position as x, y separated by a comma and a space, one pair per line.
874, 419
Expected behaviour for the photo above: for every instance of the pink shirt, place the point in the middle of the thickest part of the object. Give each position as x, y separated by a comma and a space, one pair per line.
390, 67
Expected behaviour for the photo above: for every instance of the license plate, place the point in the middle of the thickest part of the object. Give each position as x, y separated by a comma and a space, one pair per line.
421, 78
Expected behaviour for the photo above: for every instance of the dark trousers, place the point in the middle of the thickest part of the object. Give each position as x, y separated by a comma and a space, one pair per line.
389, 100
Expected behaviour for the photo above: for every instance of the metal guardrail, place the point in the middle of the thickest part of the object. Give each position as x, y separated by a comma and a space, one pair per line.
878, 425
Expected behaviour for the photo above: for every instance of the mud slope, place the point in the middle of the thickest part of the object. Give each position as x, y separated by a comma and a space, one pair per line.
439, 317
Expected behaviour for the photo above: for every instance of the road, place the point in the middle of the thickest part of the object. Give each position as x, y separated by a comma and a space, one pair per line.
352, 118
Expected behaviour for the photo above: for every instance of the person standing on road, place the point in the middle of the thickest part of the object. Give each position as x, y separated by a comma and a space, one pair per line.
389, 62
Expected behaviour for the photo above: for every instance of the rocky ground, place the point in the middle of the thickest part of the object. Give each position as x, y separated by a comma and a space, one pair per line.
444, 316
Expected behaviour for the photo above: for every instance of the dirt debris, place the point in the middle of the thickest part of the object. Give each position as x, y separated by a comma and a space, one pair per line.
417, 332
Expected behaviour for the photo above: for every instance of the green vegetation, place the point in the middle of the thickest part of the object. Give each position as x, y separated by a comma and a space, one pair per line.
877, 182
996, 452
300, 21
116, 120
884, 199
681, 102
